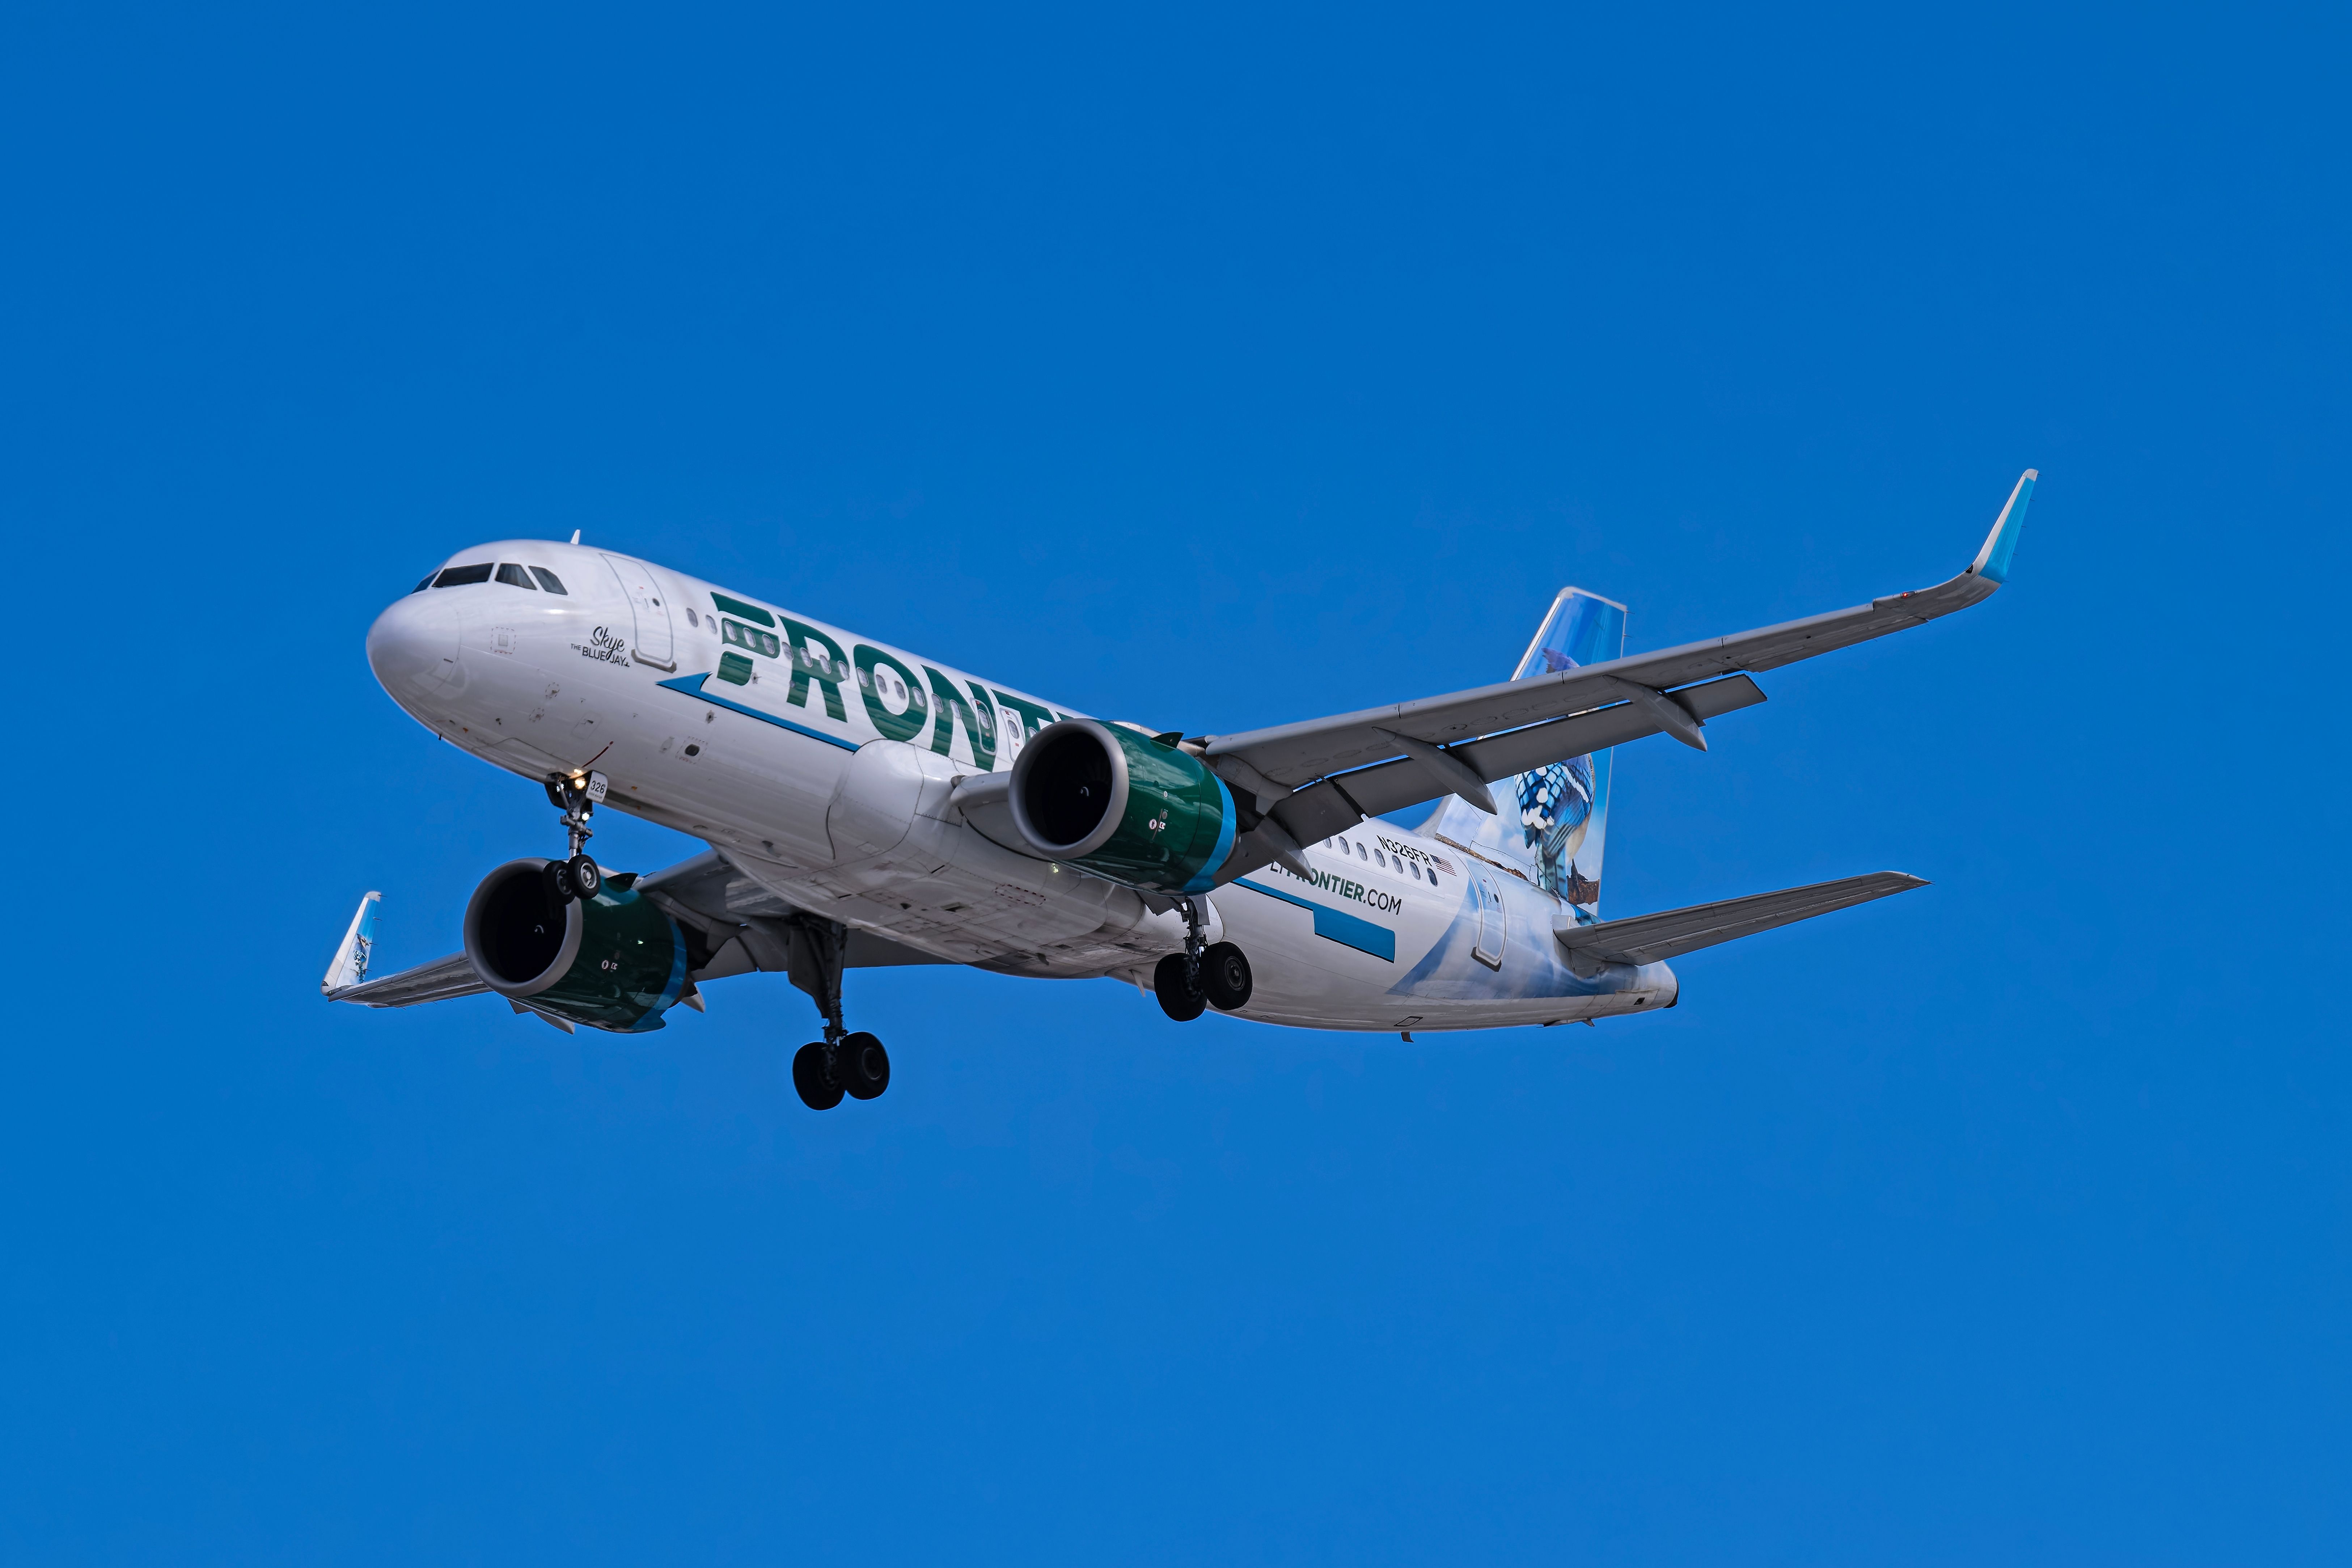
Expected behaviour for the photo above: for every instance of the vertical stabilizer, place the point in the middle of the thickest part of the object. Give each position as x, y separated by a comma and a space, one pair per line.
1551, 824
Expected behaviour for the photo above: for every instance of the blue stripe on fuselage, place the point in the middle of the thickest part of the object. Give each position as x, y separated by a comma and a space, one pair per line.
1336, 925
692, 686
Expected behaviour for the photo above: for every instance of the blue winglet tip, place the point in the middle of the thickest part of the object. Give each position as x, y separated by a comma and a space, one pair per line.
1992, 561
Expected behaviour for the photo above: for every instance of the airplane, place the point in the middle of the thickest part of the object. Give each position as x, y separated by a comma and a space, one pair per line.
865, 807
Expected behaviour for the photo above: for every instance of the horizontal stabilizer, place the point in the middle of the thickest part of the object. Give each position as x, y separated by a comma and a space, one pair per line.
434, 982
1670, 934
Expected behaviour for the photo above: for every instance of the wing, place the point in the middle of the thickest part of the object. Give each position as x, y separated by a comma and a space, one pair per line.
1321, 775
434, 982
1670, 934
740, 925
746, 926
347, 978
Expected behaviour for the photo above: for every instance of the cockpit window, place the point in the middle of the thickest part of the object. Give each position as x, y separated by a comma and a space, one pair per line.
510, 573
425, 585
458, 576
549, 580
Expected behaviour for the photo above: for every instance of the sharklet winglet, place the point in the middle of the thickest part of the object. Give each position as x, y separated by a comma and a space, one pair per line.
350, 965
1992, 561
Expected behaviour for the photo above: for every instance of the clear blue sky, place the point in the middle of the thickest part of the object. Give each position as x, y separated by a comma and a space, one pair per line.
1210, 368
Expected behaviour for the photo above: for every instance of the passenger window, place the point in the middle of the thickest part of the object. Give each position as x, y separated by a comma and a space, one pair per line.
1416, 870
757, 641
510, 573
1383, 859
459, 577
549, 580
1360, 852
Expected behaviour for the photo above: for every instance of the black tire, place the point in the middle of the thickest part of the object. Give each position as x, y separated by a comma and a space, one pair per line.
817, 1090
587, 881
557, 879
1226, 977
1178, 999
862, 1066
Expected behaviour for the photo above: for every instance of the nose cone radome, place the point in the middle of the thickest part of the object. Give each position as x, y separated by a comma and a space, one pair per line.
412, 646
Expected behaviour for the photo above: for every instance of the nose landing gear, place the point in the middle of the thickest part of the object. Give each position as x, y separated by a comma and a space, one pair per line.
579, 875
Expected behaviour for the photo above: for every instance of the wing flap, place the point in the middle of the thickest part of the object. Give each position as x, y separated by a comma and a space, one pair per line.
1391, 786
1670, 934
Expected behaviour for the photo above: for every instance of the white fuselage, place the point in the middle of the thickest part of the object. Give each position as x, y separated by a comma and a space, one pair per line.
799, 751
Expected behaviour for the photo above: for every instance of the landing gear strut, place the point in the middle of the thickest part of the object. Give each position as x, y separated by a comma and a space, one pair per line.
577, 877
1201, 976
843, 1062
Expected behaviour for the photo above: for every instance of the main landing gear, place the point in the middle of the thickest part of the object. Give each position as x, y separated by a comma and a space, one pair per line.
578, 877
1215, 975
843, 1063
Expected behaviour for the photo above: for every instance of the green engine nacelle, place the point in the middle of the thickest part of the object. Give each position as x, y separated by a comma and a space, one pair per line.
613, 962
1122, 804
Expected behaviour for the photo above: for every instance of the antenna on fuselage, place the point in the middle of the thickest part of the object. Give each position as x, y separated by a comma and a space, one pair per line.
576, 536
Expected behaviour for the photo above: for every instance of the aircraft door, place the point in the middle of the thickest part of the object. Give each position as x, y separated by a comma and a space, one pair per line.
654, 643
1492, 932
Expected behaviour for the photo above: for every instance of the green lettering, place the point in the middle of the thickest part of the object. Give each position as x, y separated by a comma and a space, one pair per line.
985, 712
749, 612
894, 726
1033, 717
952, 709
828, 673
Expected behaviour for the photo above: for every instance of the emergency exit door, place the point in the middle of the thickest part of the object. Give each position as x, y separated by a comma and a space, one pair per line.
1493, 938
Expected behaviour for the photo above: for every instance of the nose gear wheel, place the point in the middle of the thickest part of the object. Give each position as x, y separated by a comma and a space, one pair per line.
577, 876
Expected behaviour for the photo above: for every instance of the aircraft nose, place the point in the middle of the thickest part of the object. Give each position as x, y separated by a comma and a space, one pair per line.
412, 646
